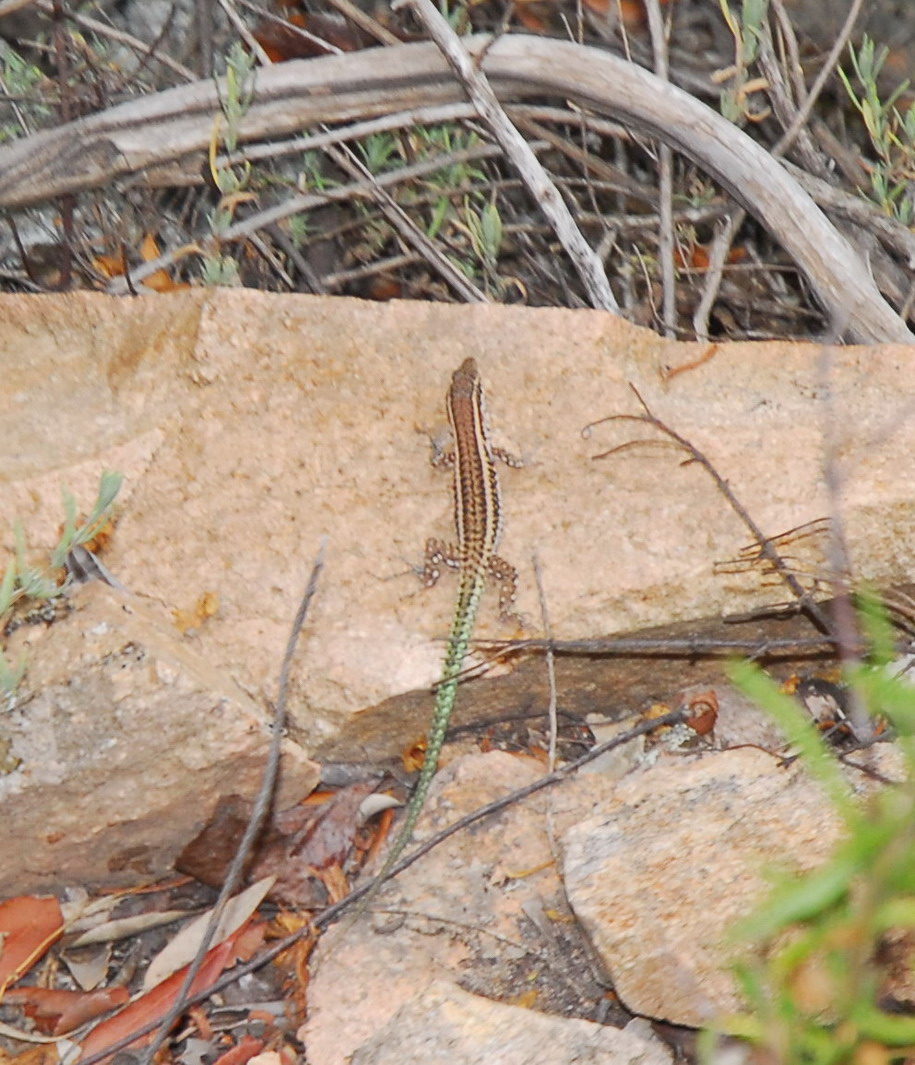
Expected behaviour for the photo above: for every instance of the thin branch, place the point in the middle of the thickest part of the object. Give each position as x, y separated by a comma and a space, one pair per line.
721, 245
785, 108
112, 34
804, 110
411, 234
364, 21
259, 812
687, 648
164, 127
897, 238
843, 610
420, 116
766, 547
290, 27
298, 204
606, 173
246, 35
550, 660
665, 182
519, 153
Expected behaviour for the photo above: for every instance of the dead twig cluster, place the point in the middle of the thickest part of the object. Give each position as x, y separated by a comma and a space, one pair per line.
480, 237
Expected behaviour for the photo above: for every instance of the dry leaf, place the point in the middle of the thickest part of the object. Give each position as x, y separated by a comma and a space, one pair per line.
29, 925
183, 948
58, 1012
155, 1004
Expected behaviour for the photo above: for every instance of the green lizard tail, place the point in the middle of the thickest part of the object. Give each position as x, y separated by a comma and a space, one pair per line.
458, 645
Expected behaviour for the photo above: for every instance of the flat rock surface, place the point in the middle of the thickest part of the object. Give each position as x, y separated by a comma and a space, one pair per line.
126, 738
449, 1025
248, 426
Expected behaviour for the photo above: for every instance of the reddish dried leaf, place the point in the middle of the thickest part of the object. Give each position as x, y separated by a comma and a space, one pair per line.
249, 940
697, 256
243, 1051
702, 711
116, 266
57, 1012
29, 925
282, 42
160, 280
335, 880
202, 1022
182, 948
534, 17
383, 288
40, 1054
110, 265
156, 1003
301, 841
329, 837
414, 756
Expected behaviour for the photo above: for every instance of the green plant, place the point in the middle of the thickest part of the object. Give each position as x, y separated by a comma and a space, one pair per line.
462, 176
74, 535
747, 31
312, 176
241, 70
377, 151
23, 581
484, 230
817, 988
220, 270
232, 180
891, 132
10, 676
384, 152
20, 81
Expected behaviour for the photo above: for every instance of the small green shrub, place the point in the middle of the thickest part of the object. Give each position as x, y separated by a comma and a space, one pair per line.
23, 581
825, 944
891, 131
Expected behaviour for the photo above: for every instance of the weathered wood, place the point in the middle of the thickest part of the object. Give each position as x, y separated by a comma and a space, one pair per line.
290, 96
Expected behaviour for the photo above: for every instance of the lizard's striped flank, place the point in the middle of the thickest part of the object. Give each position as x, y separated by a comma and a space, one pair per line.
478, 518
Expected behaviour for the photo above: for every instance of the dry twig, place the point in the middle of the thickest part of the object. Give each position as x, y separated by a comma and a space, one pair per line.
144, 133
255, 822
519, 153
766, 545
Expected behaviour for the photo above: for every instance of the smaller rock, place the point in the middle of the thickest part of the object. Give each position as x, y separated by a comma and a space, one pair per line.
449, 1025
125, 739
665, 866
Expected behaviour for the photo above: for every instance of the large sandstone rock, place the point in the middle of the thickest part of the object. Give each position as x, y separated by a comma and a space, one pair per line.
248, 426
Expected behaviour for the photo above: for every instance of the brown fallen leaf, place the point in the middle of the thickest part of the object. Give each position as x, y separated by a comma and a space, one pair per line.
29, 925
154, 1005
181, 950
56, 1012
299, 842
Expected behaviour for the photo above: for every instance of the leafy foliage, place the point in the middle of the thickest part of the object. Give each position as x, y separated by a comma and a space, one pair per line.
22, 580
826, 943
891, 131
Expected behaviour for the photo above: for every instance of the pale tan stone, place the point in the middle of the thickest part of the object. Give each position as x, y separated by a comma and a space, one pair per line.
250, 425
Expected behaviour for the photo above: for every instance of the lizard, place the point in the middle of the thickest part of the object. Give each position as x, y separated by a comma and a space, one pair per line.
478, 521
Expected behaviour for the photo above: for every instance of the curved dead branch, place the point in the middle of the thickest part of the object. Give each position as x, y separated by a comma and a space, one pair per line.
165, 126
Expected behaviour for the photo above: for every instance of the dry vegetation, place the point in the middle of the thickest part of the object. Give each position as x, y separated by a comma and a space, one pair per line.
387, 183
